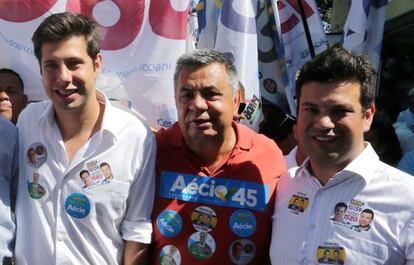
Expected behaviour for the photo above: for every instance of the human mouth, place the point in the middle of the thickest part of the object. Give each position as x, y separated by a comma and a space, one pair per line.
324, 138
5, 104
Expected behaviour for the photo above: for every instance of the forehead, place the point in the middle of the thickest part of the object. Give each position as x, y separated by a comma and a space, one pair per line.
202, 76
330, 93
9, 79
74, 46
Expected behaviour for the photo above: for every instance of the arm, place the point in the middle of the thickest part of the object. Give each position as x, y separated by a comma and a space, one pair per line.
135, 253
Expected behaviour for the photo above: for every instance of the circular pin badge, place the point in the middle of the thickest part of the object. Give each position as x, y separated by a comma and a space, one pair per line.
242, 251
243, 223
77, 205
170, 255
201, 245
204, 218
36, 155
169, 223
36, 186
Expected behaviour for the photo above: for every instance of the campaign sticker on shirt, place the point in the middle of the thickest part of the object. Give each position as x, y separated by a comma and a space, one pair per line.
243, 223
216, 191
331, 255
201, 245
355, 216
169, 223
36, 186
204, 218
170, 255
298, 203
36, 155
95, 174
77, 205
242, 251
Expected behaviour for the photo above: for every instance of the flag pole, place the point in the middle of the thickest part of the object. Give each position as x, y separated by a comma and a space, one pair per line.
306, 27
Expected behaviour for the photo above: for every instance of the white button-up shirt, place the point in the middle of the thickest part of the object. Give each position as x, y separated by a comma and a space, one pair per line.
66, 218
306, 225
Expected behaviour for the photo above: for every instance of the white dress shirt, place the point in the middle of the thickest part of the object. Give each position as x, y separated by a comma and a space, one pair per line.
63, 220
303, 236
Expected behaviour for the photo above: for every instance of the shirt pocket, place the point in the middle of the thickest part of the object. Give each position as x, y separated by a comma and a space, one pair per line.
363, 251
109, 200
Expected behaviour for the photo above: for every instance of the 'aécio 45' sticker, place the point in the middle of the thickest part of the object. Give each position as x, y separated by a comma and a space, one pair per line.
217, 191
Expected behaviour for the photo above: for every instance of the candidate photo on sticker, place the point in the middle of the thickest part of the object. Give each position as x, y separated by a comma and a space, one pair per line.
365, 219
170, 255
242, 251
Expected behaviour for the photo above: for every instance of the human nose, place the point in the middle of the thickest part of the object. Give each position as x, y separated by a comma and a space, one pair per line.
64, 74
325, 122
3, 94
198, 103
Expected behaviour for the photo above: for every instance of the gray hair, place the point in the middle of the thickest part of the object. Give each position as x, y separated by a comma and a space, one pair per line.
203, 57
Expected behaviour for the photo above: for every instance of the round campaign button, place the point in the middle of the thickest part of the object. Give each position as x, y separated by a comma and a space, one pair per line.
201, 245
169, 223
36, 185
77, 205
36, 155
170, 255
204, 218
243, 223
242, 251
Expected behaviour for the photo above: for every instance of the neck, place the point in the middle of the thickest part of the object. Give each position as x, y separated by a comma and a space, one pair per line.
214, 150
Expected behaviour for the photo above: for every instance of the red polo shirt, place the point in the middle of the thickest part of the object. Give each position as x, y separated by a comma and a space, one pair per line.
217, 217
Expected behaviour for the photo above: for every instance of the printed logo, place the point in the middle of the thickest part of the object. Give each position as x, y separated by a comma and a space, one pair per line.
36, 155
169, 223
204, 218
170, 255
243, 223
217, 191
201, 245
298, 203
36, 189
96, 174
355, 216
242, 251
331, 254
77, 205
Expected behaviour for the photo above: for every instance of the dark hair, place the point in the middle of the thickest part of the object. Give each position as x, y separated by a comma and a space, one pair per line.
340, 205
10, 71
60, 26
368, 211
83, 172
384, 140
336, 64
104, 164
203, 57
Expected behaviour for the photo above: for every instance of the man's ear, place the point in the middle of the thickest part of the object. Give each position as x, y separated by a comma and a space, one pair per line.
98, 64
368, 117
237, 99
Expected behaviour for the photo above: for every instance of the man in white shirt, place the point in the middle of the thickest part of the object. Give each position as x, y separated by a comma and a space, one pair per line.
335, 94
107, 222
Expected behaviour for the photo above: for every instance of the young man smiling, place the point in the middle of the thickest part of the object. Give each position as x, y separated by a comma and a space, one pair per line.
78, 129
335, 94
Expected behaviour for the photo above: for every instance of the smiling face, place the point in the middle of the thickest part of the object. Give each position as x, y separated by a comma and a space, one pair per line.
365, 219
205, 102
69, 73
331, 123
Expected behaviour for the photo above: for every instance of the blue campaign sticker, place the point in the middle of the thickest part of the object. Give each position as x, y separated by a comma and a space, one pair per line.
217, 191
243, 223
169, 223
77, 205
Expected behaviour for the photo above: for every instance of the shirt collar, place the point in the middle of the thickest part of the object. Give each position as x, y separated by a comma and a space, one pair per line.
242, 141
110, 122
358, 167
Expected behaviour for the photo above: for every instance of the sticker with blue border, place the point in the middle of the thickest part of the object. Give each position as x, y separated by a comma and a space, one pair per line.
169, 223
216, 191
77, 205
243, 223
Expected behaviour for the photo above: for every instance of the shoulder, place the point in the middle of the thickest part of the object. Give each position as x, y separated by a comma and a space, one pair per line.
33, 112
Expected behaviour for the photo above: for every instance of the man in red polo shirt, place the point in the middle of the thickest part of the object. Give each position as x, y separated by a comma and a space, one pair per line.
215, 178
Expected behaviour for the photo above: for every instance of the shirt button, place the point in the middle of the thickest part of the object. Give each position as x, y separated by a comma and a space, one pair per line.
60, 237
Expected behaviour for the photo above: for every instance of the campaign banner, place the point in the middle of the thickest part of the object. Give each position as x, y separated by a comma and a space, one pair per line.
295, 44
141, 41
364, 28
